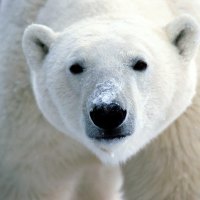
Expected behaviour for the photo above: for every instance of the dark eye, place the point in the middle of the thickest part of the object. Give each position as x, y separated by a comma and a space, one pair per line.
140, 65
76, 68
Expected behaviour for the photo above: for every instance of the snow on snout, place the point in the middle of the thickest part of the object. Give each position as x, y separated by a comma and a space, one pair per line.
105, 93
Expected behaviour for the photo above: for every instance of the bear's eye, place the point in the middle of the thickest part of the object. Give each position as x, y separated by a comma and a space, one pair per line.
140, 65
76, 68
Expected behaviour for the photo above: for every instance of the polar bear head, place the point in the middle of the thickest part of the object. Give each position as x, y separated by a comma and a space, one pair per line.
113, 85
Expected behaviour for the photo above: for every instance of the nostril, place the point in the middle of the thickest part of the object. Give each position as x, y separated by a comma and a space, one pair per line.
108, 116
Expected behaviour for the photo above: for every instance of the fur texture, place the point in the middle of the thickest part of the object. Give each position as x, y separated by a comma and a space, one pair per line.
41, 161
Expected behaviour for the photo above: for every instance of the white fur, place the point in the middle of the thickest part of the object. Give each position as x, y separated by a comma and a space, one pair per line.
41, 162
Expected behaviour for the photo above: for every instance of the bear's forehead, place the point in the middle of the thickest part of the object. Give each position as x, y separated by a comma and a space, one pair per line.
118, 39
105, 34
103, 29
104, 47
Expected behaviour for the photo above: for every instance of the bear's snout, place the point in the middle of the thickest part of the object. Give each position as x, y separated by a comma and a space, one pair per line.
108, 116
108, 122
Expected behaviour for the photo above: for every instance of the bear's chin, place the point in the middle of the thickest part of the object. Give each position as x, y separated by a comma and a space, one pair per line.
110, 152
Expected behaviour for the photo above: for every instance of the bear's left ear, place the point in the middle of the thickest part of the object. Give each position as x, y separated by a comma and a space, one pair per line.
184, 33
36, 44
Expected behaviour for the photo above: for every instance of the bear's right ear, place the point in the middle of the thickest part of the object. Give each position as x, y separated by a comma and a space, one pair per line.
36, 43
184, 33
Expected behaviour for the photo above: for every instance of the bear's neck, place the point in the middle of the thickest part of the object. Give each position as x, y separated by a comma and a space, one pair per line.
178, 148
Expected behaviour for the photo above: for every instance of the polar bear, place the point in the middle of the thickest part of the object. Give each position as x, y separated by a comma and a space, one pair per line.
108, 77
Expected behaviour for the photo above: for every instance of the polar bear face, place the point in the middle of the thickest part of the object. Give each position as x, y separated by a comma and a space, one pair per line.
113, 85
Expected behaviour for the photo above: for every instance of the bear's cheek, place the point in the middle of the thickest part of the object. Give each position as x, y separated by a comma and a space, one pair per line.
64, 101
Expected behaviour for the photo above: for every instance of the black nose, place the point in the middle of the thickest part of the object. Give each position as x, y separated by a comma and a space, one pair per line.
108, 116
